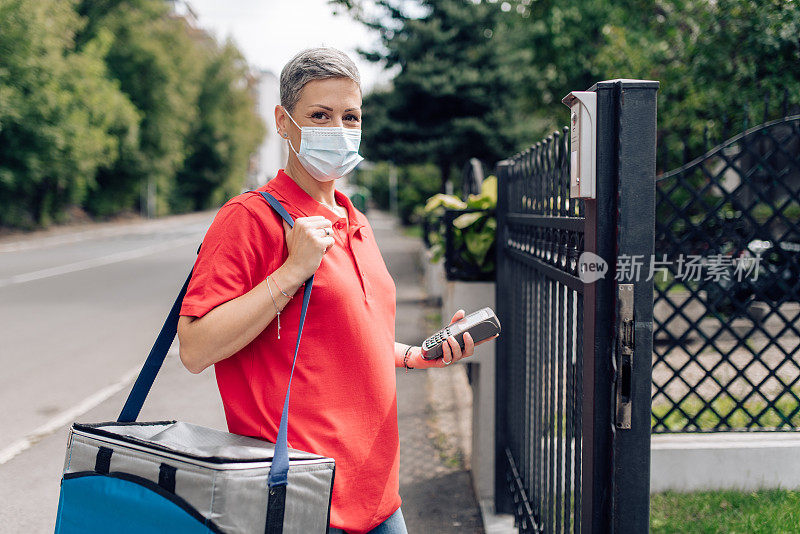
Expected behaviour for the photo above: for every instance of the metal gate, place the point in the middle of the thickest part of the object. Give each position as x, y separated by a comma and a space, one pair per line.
574, 358
727, 308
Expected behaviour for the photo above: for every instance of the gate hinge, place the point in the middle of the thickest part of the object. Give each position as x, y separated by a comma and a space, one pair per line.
625, 347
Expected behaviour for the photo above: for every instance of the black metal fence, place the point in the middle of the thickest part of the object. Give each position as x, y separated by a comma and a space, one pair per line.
540, 298
573, 397
727, 299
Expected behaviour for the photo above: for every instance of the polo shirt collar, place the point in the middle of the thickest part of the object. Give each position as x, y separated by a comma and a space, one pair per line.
308, 206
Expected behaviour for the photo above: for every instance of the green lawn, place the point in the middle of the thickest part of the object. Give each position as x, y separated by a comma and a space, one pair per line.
786, 407
725, 512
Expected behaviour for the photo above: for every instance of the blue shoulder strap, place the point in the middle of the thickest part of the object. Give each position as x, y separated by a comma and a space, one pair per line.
133, 406
280, 461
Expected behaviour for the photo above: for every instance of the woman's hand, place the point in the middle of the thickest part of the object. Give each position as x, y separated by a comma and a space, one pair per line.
451, 349
307, 243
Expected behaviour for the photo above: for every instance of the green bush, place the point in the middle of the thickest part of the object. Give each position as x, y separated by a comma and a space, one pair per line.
61, 117
415, 184
474, 232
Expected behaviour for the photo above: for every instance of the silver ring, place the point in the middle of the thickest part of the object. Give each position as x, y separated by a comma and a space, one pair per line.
447, 363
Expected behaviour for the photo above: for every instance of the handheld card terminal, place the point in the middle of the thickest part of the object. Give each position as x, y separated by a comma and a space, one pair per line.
481, 324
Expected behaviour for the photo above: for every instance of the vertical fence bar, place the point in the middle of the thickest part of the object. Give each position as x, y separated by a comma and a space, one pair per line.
533, 378
502, 495
570, 437
578, 419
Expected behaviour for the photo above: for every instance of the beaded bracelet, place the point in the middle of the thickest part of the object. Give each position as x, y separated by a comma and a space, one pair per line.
405, 359
285, 294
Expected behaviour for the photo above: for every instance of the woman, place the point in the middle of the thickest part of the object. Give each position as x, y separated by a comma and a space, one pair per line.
249, 269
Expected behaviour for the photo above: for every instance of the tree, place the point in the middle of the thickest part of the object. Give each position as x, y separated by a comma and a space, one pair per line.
716, 60
61, 118
558, 43
226, 132
100, 98
455, 94
158, 65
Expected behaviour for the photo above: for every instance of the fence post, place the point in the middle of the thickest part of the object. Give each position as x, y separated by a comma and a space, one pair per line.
620, 224
598, 298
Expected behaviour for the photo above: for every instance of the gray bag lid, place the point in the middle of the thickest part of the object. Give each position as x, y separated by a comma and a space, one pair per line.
192, 441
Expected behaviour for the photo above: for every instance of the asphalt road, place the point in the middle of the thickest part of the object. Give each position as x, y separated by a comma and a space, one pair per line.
78, 314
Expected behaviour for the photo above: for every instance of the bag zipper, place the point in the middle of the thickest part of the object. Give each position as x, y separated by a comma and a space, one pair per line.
191, 459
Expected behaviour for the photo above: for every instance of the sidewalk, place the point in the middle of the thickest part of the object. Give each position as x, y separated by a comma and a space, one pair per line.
434, 484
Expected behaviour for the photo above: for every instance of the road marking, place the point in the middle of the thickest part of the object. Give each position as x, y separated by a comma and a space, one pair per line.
67, 417
177, 222
76, 237
96, 262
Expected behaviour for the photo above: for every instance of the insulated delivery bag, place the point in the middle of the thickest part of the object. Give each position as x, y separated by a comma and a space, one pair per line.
129, 477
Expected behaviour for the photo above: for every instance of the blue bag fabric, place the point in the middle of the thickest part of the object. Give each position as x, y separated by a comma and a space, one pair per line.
129, 505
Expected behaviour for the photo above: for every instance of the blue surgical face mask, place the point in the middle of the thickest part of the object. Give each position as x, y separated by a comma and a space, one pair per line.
328, 152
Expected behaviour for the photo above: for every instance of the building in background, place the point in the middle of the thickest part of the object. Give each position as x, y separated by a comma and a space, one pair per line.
273, 152
183, 11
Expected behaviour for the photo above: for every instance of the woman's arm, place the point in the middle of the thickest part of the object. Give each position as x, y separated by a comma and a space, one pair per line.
229, 327
399, 353
452, 350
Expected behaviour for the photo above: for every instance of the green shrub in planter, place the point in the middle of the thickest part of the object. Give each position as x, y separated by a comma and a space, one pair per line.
472, 233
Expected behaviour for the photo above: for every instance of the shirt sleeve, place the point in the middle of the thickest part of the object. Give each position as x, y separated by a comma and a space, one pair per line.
236, 255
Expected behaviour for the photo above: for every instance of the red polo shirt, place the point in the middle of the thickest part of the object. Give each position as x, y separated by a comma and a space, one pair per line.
343, 402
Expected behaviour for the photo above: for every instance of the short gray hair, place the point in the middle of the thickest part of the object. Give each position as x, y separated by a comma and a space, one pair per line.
314, 64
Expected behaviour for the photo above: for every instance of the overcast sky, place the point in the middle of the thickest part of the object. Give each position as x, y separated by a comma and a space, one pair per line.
270, 32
